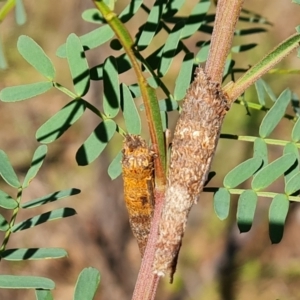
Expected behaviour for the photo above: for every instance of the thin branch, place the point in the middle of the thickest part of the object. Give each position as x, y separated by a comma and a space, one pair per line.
227, 15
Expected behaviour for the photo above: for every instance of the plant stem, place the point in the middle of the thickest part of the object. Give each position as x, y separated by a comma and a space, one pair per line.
227, 15
148, 93
252, 139
6, 8
147, 281
233, 91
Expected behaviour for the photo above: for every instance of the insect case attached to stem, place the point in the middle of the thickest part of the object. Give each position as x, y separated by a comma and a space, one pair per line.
138, 169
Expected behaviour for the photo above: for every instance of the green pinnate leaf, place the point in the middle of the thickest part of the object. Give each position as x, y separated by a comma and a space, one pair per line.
242, 172
33, 254
273, 171
115, 168
36, 163
246, 210
78, 65
130, 112
43, 218
277, 215
25, 282
96, 142
222, 203
7, 172
24, 92
36, 56
275, 114
61, 121
87, 284
7, 201
183, 79
111, 95
50, 198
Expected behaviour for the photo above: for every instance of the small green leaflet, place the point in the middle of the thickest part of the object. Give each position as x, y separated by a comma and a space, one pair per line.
7, 172
20, 13
25, 282
130, 10
202, 54
93, 15
169, 49
115, 168
275, 114
87, 284
260, 90
33, 253
277, 215
242, 48
96, 142
50, 198
43, 218
24, 92
43, 295
36, 163
111, 94
296, 131
172, 8
130, 113
222, 203
7, 201
3, 224
36, 56
293, 185
260, 149
196, 18
3, 62
242, 172
273, 171
269, 91
78, 65
61, 121
294, 169
183, 79
150, 27
91, 40
246, 210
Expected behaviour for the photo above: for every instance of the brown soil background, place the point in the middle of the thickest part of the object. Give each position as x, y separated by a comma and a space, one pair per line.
216, 262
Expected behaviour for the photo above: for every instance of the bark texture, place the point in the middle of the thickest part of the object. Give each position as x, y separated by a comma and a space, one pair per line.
193, 147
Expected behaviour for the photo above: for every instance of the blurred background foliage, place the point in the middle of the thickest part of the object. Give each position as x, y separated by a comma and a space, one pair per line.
216, 262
